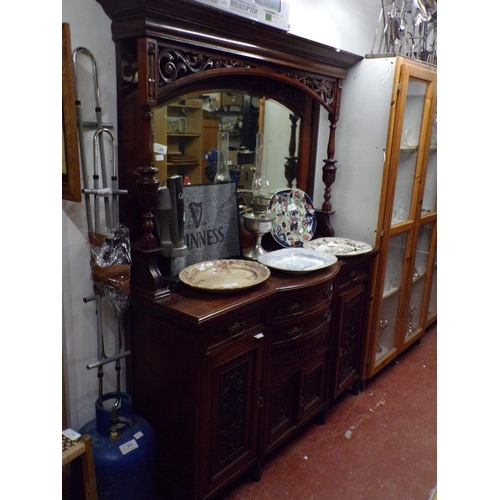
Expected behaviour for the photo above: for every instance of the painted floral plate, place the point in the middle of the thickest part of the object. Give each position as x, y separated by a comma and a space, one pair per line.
294, 217
224, 275
339, 246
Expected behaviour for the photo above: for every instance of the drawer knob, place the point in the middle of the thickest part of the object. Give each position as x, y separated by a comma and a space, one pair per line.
297, 308
354, 276
294, 333
236, 329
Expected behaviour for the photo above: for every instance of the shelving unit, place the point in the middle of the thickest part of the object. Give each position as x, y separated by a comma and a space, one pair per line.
179, 126
407, 219
389, 142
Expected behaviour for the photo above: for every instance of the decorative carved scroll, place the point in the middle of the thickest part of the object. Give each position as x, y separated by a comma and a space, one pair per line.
174, 64
326, 90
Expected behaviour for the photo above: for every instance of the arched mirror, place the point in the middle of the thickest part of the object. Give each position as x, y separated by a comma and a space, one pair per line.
186, 138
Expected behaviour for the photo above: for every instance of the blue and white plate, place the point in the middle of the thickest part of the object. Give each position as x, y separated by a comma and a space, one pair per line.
297, 260
294, 220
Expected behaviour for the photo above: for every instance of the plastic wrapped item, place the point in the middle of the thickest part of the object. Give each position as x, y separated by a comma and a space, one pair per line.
110, 265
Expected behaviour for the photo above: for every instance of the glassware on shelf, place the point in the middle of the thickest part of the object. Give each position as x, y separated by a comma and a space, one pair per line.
409, 329
260, 183
402, 212
222, 174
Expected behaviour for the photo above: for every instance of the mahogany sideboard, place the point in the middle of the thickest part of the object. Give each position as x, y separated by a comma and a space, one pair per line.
224, 379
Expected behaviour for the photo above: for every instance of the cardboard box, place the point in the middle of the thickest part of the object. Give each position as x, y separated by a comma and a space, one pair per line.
254, 10
232, 99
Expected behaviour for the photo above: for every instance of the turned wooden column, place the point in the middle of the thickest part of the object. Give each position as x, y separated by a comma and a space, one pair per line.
329, 168
291, 159
147, 274
325, 228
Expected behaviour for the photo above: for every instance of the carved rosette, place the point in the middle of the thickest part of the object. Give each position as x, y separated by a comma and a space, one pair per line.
174, 64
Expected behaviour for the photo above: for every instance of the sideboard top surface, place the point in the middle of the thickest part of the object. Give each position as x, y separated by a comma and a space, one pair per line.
198, 307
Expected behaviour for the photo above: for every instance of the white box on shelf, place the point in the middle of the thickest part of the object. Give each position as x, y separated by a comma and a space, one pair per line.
256, 10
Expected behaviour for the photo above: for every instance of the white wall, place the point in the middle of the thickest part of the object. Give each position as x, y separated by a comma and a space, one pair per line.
90, 28
345, 24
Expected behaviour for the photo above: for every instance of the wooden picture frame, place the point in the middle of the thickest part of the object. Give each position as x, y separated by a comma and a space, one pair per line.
71, 185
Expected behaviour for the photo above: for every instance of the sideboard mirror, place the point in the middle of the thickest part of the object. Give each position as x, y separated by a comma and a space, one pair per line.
168, 50
186, 130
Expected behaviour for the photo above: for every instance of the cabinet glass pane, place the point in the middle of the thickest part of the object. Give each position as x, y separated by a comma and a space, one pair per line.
392, 287
413, 324
410, 137
430, 192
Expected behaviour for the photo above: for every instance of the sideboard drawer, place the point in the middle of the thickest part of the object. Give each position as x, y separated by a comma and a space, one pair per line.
234, 327
351, 272
302, 326
287, 355
302, 303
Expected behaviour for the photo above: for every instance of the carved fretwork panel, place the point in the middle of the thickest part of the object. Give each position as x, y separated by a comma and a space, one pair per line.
233, 410
174, 64
352, 330
313, 384
281, 407
326, 90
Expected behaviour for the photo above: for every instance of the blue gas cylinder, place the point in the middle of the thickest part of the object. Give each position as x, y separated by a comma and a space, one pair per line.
124, 452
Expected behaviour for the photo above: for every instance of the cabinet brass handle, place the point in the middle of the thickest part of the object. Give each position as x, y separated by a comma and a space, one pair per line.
354, 276
294, 333
296, 308
236, 329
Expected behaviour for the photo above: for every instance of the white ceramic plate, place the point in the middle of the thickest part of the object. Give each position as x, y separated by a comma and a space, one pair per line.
339, 246
224, 275
297, 260
294, 217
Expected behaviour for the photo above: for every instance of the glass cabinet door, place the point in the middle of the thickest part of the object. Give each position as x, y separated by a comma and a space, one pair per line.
407, 162
415, 320
429, 203
391, 296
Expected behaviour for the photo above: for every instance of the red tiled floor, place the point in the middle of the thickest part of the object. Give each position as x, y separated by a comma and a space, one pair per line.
381, 444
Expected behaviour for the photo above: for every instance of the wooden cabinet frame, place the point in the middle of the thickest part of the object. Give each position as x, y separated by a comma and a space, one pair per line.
405, 71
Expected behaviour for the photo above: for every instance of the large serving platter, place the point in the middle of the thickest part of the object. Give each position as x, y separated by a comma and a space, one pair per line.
339, 246
294, 217
224, 275
297, 260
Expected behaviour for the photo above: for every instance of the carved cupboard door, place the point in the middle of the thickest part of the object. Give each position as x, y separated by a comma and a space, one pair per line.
233, 377
351, 305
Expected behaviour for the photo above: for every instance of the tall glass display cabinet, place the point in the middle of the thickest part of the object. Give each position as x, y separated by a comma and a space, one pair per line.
389, 147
